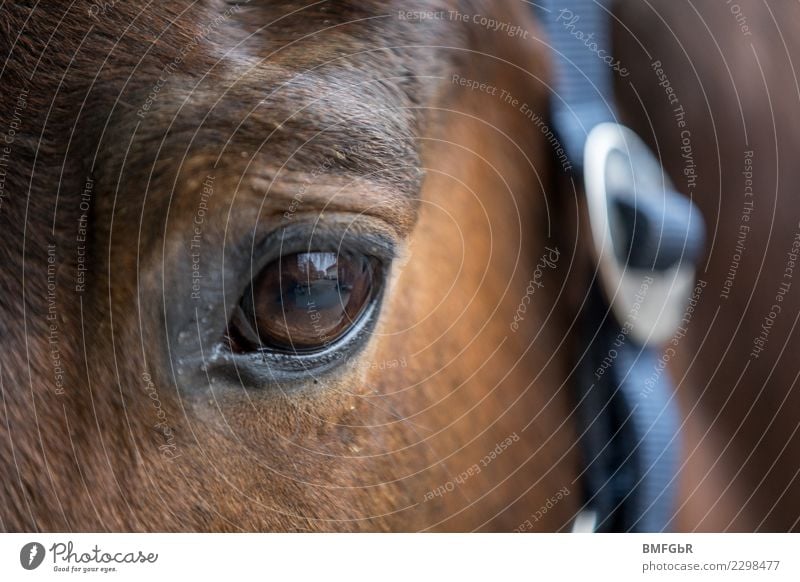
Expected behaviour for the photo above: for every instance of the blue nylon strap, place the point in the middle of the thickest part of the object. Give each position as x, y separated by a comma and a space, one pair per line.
580, 37
629, 425
627, 413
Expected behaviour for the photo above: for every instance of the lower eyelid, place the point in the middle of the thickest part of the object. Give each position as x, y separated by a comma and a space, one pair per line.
263, 371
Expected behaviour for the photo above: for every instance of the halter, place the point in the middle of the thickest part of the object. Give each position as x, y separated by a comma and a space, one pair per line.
646, 239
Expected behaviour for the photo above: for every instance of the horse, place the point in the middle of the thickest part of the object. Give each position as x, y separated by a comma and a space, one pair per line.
294, 266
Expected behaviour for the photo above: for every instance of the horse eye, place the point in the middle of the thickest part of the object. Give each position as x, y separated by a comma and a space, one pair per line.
304, 302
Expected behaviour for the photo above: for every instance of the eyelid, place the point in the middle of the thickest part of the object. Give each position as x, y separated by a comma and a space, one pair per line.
330, 194
333, 233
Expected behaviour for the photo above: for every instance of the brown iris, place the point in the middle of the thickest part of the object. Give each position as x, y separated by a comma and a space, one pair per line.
304, 302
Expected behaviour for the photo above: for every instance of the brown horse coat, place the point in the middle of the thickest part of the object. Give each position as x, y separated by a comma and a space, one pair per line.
416, 130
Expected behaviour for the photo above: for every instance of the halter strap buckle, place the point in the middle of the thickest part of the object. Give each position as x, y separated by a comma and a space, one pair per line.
646, 236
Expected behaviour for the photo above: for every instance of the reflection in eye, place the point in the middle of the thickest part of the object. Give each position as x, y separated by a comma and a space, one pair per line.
303, 302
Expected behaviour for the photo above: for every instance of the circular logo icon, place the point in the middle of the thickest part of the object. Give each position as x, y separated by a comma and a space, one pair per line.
31, 555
